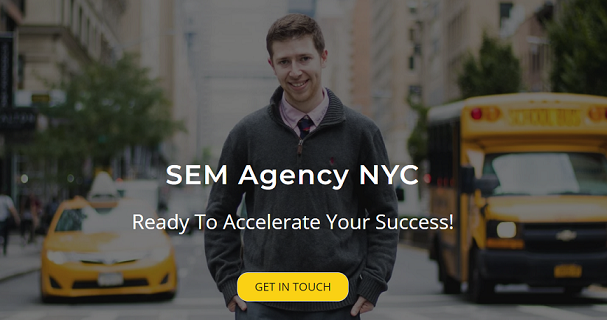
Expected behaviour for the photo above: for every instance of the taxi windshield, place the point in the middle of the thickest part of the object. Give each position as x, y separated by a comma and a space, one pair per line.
548, 173
90, 220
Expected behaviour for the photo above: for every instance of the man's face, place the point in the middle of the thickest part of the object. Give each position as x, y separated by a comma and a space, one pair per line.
297, 65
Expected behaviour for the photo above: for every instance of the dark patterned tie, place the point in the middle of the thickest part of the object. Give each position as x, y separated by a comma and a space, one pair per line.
304, 125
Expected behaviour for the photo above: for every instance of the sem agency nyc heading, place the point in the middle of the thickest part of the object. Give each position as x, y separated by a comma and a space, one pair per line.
270, 177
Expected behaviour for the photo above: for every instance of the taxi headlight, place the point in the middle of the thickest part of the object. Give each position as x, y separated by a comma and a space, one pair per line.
160, 253
506, 230
58, 257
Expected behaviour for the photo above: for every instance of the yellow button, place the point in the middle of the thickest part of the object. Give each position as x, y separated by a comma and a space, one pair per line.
293, 286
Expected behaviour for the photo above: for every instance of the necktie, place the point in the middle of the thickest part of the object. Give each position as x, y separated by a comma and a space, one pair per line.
304, 125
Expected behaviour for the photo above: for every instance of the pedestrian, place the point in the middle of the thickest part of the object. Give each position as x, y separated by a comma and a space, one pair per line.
29, 219
7, 208
49, 212
305, 126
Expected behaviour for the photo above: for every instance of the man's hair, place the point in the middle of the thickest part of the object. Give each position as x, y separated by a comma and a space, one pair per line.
294, 26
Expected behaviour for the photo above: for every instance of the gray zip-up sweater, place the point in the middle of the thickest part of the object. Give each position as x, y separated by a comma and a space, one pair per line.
343, 140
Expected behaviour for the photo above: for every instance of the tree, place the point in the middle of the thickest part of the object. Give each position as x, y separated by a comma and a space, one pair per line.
578, 38
107, 108
496, 71
417, 144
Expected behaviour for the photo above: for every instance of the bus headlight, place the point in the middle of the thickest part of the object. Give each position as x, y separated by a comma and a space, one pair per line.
503, 229
504, 235
506, 230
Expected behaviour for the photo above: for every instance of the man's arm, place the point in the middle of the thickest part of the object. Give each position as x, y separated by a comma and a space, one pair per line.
13, 211
382, 244
223, 247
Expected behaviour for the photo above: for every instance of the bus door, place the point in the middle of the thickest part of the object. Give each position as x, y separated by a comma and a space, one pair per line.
443, 152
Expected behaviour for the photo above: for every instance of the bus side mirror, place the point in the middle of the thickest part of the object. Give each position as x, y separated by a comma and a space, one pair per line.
467, 178
484, 188
486, 184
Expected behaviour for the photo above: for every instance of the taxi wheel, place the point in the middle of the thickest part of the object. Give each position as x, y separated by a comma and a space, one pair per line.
450, 285
480, 290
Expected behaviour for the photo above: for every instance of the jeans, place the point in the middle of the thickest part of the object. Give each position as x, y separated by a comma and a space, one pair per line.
27, 230
259, 311
4, 226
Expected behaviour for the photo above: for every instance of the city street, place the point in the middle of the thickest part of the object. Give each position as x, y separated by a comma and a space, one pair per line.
414, 294
481, 122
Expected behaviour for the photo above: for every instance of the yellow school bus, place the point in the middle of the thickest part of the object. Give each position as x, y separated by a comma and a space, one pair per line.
524, 177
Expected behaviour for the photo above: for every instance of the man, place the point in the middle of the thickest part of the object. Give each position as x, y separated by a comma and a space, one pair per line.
6, 207
304, 127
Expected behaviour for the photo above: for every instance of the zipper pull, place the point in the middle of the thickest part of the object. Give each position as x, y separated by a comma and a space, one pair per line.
299, 147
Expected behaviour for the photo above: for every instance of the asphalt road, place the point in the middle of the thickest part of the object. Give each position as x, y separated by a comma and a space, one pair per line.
414, 294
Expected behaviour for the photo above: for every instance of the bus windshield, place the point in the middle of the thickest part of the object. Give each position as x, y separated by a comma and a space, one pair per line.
548, 173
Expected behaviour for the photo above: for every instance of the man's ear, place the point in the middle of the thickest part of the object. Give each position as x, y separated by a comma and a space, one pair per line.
271, 65
323, 58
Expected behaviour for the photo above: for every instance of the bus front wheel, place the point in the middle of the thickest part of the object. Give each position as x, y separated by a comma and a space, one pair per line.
450, 285
480, 290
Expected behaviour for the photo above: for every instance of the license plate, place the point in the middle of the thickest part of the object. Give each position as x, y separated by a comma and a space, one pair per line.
568, 271
110, 279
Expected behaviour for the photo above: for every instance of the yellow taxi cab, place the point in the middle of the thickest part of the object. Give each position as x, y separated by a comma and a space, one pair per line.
91, 249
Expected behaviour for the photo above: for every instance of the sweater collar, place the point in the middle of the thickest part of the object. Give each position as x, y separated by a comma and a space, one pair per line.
335, 112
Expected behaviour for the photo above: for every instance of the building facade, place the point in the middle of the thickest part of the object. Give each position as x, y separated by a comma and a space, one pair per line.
530, 45
395, 72
58, 37
335, 20
227, 56
151, 29
360, 87
11, 16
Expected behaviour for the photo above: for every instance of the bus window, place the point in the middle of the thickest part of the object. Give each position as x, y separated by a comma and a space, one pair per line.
441, 154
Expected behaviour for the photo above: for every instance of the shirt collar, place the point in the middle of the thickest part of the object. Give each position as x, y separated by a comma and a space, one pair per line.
292, 115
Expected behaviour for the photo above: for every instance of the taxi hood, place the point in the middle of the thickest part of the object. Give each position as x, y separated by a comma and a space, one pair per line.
74, 241
548, 208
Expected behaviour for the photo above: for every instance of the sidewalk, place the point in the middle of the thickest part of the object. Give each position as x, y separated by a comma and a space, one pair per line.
19, 259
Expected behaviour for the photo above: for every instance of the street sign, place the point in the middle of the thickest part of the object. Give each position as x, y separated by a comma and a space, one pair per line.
28, 98
17, 119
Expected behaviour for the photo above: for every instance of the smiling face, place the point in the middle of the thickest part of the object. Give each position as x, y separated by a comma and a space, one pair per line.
298, 65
